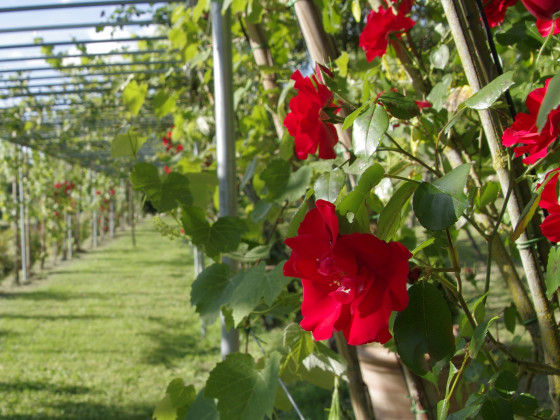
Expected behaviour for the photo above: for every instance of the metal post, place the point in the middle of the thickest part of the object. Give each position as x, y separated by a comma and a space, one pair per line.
225, 142
112, 218
69, 235
22, 225
94, 213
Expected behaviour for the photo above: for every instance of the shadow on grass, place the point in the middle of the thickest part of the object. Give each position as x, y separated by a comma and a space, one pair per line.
41, 295
21, 386
54, 317
173, 343
87, 411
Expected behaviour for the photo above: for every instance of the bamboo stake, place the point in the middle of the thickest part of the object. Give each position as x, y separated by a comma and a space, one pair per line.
470, 52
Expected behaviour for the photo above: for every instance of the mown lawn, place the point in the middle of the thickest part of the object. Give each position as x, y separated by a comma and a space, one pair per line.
101, 336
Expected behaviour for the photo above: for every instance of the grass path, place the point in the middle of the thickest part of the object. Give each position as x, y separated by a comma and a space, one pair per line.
101, 336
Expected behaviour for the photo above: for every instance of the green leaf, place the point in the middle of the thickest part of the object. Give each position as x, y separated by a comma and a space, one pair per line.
356, 10
174, 192
485, 97
550, 101
223, 236
506, 384
391, 215
439, 92
368, 130
399, 105
127, 144
298, 183
211, 290
510, 318
328, 185
488, 194
552, 279
145, 177
163, 103
352, 202
203, 409
479, 336
164, 410
349, 120
496, 409
166, 195
440, 204
299, 215
248, 288
439, 57
276, 176
202, 186
525, 405
243, 391
134, 95
425, 326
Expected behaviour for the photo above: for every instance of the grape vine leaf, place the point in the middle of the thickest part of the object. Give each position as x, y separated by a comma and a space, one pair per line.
127, 144
243, 391
134, 95
210, 290
222, 236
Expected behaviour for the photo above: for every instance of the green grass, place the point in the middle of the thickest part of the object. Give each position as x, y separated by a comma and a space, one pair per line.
101, 336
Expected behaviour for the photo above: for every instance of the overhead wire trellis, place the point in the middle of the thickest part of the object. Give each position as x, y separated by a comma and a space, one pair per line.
59, 70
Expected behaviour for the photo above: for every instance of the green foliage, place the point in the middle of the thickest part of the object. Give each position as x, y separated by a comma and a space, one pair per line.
243, 390
440, 204
127, 144
134, 95
368, 130
485, 97
424, 327
552, 279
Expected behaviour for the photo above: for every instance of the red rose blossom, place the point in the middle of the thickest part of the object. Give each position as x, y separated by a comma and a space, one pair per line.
350, 282
495, 10
374, 39
545, 26
524, 129
550, 226
542, 9
307, 120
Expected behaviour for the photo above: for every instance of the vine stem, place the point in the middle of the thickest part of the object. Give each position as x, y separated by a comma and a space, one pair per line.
472, 52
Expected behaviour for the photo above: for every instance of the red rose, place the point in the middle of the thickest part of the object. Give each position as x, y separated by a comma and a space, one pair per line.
380, 25
550, 226
179, 148
166, 169
350, 282
524, 129
495, 10
307, 120
545, 26
542, 9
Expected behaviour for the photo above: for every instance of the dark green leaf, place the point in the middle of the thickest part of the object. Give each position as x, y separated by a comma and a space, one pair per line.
506, 384
328, 185
202, 186
488, 194
440, 204
276, 176
368, 130
551, 101
222, 236
174, 192
391, 215
399, 105
243, 392
145, 178
485, 97
425, 326
525, 405
510, 318
496, 409
297, 185
552, 279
